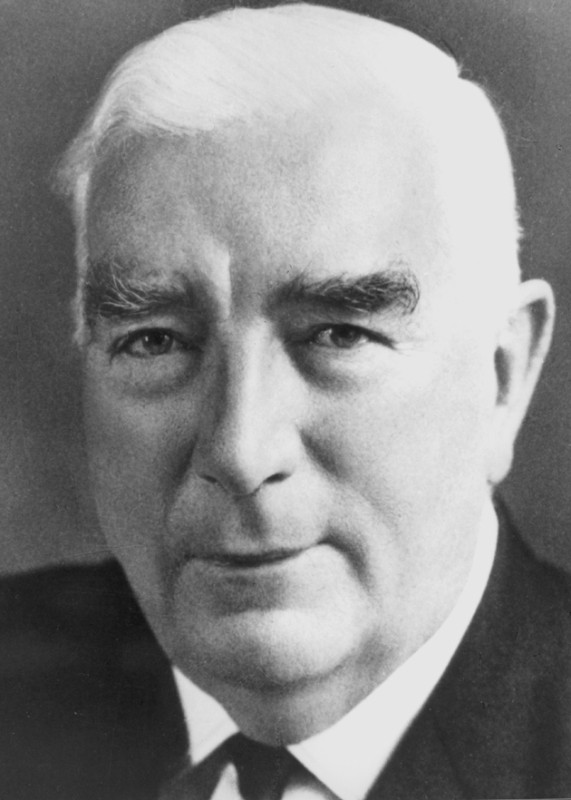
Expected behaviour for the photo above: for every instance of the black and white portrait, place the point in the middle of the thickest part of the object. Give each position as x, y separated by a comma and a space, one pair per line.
285, 431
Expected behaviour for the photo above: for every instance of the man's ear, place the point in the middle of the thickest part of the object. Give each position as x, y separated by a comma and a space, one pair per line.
523, 343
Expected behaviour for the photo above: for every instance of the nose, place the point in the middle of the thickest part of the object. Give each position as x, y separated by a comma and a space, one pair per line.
247, 435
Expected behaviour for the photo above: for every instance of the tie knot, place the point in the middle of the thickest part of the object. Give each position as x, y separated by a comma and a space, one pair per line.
263, 771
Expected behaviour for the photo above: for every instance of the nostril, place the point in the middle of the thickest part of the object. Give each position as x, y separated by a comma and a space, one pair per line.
208, 478
279, 476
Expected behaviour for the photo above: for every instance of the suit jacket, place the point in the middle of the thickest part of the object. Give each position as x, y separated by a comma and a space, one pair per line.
88, 707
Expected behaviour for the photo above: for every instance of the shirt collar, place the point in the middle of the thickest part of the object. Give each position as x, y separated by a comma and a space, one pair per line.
365, 737
208, 723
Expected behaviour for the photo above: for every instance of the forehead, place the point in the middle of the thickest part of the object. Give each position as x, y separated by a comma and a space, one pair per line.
349, 193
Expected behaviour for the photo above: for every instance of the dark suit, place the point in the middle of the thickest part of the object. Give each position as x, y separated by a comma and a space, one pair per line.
88, 707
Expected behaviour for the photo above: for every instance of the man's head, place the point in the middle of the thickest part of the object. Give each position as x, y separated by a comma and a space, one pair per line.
307, 350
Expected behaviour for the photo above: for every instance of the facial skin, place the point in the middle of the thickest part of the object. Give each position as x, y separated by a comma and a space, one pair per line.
291, 475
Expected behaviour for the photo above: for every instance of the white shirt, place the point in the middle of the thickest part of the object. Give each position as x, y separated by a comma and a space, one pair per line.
345, 759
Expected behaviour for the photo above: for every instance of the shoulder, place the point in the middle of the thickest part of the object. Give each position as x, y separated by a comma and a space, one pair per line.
498, 723
83, 687
64, 618
505, 702
528, 601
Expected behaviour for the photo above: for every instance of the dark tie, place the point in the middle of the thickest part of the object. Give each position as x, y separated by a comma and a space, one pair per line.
263, 772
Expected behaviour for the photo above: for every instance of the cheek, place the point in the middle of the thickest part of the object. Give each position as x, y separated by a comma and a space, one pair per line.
138, 444
135, 455
405, 440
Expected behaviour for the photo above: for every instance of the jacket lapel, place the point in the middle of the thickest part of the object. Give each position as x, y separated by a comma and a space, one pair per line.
420, 769
498, 723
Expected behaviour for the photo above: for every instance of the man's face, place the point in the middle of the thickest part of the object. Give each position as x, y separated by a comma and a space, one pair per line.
288, 447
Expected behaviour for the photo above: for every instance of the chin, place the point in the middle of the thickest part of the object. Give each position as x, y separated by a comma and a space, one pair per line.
262, 652
282, 678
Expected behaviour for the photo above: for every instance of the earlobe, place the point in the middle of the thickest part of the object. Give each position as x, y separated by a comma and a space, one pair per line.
523, 344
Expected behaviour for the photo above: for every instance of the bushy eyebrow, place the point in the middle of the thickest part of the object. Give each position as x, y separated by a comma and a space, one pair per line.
117, 291
368, 294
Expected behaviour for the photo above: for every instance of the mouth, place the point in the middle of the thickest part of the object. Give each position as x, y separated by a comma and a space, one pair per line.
251, 560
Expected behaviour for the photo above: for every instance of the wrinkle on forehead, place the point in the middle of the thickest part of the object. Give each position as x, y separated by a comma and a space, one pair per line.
229, 208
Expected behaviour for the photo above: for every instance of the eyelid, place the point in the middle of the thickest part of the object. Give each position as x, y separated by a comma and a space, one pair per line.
374, 336
120, 344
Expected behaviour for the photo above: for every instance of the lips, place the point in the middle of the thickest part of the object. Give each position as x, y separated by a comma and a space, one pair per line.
251, 560
228, 583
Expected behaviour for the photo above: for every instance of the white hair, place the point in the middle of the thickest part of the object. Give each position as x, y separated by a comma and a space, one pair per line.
253, 65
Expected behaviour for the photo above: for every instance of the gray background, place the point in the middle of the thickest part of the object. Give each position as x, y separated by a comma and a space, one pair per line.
53, 57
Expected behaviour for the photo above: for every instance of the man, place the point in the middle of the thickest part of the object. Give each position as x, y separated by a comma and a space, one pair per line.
307, 353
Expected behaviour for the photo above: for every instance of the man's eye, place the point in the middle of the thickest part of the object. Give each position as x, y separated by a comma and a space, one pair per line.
340, 336
149, 343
